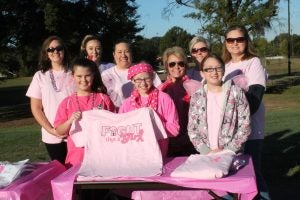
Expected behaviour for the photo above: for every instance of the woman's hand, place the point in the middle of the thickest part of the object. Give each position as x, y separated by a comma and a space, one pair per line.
54, 132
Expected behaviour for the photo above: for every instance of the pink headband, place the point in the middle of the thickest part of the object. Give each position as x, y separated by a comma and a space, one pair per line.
139, 68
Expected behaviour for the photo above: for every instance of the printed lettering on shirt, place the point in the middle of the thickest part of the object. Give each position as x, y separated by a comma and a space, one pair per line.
123, 134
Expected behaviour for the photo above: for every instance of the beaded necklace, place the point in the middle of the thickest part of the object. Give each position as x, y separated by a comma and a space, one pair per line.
77, 101
53, 81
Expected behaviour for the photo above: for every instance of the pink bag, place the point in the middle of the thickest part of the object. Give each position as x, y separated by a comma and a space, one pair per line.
34, 186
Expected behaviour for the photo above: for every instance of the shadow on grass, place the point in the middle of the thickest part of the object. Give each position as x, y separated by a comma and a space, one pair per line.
12, 96
15, 112
281, 162
281, 83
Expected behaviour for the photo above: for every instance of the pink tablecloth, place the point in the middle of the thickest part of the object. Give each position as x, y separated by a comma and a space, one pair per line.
242, 182
35, 185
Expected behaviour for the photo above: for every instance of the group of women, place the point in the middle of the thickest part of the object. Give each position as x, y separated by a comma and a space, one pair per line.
213, 106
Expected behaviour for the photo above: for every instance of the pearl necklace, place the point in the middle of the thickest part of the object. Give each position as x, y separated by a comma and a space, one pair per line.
77, 101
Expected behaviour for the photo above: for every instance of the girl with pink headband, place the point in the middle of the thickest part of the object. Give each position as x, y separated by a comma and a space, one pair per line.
145, 94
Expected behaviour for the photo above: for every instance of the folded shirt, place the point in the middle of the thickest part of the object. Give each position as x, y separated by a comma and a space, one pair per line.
9, 171
211, 166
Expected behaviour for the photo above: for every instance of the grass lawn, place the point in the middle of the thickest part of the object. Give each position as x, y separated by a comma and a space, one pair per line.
281, 160
21, 142
16, 82
20, 138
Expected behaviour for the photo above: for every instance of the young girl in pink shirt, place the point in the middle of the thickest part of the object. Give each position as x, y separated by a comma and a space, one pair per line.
146, 95
91, 94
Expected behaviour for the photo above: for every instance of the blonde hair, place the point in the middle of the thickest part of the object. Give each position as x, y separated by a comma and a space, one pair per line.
176, 51
197, 39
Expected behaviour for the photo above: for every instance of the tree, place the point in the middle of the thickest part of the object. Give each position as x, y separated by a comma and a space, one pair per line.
176, 36
26, 23
261, 46
217, 15
147, 50
21, 23
295, 45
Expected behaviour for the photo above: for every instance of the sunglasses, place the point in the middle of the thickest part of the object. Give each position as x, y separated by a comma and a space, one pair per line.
238, 40
211, 70
202, 50
173, 64
52, 49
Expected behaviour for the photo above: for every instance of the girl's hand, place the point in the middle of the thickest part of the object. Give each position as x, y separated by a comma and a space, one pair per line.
74, 116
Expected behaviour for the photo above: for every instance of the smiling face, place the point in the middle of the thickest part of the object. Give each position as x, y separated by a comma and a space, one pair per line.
212, 72
176, 67
93, 50
143, 82
83, 78
235, 46
55, 53
199, 51
122, 55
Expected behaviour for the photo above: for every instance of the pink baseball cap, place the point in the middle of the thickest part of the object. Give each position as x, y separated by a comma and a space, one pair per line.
139, 68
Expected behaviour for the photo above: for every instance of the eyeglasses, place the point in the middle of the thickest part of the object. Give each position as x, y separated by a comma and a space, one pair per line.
140, 80
52, 49
211, 70
202, 50
173, 64
238, 40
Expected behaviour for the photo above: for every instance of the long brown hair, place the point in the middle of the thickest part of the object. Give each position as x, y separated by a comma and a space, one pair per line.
44, 62
249, 50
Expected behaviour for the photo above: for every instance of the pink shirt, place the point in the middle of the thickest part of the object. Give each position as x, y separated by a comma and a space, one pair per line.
68, 106
119, 144
247, 73
214, 109
167, 113
41, 88
118, 86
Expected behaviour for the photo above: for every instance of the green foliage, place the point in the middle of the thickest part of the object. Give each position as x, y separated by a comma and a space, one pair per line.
293, 171
217, 15
147, 50
176, 36
261, 46
25, 24
280, 45
51, 17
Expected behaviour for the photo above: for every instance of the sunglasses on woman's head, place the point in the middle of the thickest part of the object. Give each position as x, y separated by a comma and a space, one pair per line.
238, 40
173, 64
202, 50
52, 49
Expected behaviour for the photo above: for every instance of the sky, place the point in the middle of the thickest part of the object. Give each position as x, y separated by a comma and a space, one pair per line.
155, 24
